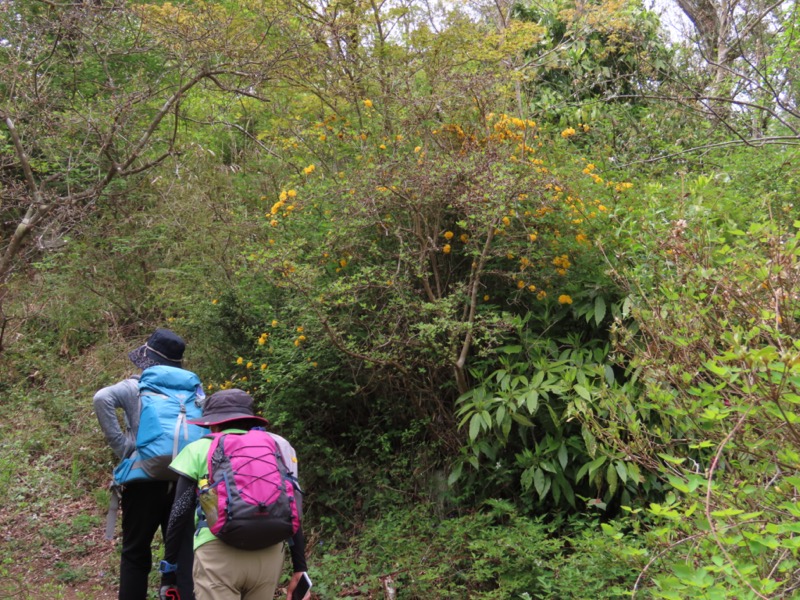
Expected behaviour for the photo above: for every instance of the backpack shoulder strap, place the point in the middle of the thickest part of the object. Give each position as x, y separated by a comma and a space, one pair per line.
216, 440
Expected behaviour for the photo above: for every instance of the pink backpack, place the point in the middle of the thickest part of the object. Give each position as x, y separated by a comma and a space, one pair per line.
256, 504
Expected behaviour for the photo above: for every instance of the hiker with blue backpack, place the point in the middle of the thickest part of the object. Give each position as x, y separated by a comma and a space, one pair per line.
249, 505
156, 406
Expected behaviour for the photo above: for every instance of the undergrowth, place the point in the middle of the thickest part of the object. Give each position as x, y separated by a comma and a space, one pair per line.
492, 553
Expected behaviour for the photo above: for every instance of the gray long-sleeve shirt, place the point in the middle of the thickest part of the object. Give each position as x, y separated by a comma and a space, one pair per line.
125, 396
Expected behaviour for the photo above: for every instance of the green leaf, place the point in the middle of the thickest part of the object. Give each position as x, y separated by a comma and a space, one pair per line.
505, 427
612, 479
633, 472
599, 309
500, 415
510, 349
589, 441
522, 420
627, 306
678, 483
538, 482
728, 512
582, 392
596, 464
532, 401
563, 457
621, 471
609, 374
671, 459
566, 489
537, 379
455, 475
475, 426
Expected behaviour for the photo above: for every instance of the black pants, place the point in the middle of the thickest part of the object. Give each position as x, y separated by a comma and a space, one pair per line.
145, 507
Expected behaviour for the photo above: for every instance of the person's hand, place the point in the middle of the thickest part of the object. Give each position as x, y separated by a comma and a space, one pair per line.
169, 592
293, 584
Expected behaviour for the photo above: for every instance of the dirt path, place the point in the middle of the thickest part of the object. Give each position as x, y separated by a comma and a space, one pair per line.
58, 554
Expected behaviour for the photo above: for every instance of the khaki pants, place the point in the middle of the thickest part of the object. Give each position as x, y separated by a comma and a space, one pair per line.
222, 572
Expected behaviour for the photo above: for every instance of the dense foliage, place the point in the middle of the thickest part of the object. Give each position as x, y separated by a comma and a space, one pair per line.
519, 281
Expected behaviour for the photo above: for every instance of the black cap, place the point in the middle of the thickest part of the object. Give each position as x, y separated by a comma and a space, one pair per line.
163, 347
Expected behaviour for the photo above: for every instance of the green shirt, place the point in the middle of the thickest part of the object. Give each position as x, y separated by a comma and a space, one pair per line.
192, 462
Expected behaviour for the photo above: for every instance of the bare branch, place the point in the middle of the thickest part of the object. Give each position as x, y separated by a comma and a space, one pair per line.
756, 142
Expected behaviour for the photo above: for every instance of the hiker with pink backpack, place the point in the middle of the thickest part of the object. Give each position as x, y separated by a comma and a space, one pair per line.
237, 488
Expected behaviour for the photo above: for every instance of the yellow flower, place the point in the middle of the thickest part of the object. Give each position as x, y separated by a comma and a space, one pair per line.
297, 342
239, 361
291, 193
274, 323
486, 298
568, 132
368, 103
210, 387
383, 146
214, 301
448, 235
532, 288
520, 284
274, 223
446, 249
417, 149
343, 263
541, 295
506, 221
249, 365
309, 169
464, 238
564, 299
263, 366
323, 137
302, 338
299, 330
314, 364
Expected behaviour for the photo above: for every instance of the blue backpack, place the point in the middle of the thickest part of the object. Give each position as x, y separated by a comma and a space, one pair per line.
168, 397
